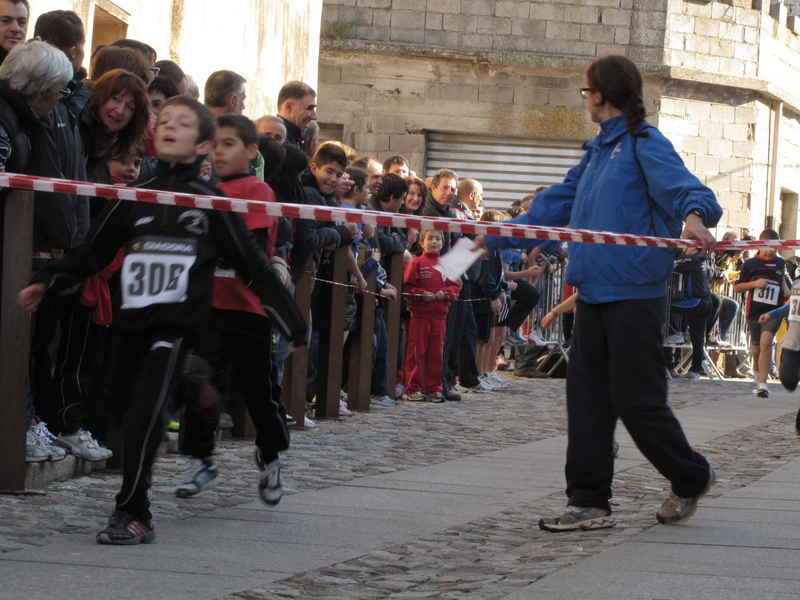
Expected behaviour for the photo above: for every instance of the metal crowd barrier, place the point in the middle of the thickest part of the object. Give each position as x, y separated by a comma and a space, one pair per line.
737, 336
551, 289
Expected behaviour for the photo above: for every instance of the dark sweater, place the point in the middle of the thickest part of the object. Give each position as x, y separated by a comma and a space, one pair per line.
167, 278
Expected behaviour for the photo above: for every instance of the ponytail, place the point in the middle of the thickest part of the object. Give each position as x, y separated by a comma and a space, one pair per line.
620, 83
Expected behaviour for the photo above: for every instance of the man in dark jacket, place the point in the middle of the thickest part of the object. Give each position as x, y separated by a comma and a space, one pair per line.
297, 106
13, 25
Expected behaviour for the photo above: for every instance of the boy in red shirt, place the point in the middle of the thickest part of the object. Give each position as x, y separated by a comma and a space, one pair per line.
429, 301
239, 330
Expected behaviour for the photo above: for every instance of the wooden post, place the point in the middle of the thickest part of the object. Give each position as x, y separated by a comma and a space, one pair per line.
295, 369
331, 338
359, 381
394, 272
16, 241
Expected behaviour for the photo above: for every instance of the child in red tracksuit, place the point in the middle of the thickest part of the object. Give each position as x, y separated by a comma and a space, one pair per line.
429, 301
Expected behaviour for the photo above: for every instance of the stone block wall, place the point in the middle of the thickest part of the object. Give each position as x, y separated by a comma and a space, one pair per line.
733, 44
387, 102
586, 28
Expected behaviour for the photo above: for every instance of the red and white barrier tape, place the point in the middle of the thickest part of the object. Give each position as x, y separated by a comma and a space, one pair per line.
407, 294
324, 213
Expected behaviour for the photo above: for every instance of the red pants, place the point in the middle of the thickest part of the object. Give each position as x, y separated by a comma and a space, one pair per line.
425, 344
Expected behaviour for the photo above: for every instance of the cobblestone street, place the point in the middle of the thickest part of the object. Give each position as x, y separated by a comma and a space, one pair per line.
486, 558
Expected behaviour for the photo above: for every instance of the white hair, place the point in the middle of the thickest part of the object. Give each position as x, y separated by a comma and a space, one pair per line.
36, 67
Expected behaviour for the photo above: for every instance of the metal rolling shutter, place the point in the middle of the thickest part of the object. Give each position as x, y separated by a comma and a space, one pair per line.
508, 168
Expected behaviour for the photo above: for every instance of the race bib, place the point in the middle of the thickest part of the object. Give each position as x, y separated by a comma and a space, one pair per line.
794, 306
768, 294
156, 271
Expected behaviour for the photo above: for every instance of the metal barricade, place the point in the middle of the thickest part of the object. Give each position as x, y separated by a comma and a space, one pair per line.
551, 292
737, 337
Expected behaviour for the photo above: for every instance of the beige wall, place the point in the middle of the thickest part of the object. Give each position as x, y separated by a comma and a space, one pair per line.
269, 42
713, 74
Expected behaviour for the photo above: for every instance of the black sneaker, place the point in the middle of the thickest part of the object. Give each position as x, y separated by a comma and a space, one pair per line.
200, 476
762, 393
270, 486
451, 396
124, 530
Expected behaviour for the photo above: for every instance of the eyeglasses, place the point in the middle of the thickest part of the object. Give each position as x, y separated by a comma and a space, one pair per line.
585, 92
155, 71
65, 93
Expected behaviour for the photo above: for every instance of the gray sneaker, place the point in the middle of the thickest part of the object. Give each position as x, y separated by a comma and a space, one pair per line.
84, 446
576, 517
676, 510
57, 451
35, 450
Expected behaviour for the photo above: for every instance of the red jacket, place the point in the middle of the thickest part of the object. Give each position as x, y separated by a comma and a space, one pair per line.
230, 292
420, 277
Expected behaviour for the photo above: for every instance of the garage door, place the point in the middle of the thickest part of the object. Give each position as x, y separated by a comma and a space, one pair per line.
508, 168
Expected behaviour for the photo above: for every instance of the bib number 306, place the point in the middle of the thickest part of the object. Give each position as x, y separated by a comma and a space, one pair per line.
154, 279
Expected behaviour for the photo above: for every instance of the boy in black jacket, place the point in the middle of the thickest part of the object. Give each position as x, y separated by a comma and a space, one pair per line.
167, 282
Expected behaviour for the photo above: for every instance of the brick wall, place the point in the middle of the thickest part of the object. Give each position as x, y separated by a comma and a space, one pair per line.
571, 27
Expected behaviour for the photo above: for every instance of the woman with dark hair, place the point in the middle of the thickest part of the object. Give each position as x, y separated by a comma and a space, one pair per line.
112, 57
630, 180
115, 118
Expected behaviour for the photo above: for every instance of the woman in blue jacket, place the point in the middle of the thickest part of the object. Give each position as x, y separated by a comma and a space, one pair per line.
630, 180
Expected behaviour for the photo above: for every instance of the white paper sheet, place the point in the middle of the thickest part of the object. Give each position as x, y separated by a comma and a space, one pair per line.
460, 258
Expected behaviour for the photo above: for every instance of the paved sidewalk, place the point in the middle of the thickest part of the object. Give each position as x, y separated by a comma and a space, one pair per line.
438, 501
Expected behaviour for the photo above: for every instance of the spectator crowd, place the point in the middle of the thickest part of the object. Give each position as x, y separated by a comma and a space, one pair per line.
143, 309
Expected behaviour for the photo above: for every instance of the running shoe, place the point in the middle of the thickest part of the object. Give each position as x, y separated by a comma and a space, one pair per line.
57, 451
381, 401
124, 530
200, 476
493, 377
415, 397
576, 517
436, 398
270, 487
35, 450
84, 446
676, 510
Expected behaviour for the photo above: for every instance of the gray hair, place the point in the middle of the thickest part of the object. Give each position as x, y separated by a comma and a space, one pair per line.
311, 132
36, 67
220, 86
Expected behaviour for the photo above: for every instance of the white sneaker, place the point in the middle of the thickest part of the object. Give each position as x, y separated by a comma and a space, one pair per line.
495, 378
481, 388
308, 423
57, 452
343, 410
459, 389
35, 450
84, 446
691, 376
488, 385
675, 338
535, 339
270, 486
399, 390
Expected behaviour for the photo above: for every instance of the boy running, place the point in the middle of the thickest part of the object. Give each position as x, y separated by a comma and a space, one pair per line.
239, 330
164, 298
761, 277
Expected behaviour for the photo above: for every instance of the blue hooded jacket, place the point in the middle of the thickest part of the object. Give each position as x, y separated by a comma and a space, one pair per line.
624, 185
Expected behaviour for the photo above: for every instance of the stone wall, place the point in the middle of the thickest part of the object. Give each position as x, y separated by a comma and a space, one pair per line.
269, 42
714, 72
586, 28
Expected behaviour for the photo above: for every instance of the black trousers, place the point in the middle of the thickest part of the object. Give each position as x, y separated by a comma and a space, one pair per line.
524, 300
144, 371
696, 317
790, 374
616, 369
460, 341
246, 340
